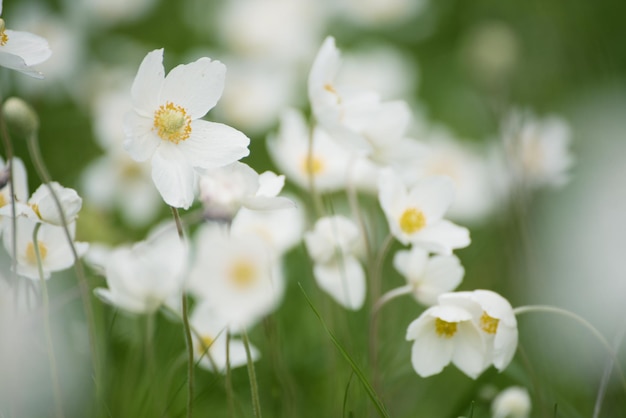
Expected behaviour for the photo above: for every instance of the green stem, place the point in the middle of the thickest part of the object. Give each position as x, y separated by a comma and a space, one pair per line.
229, 383
254, 387
54, 373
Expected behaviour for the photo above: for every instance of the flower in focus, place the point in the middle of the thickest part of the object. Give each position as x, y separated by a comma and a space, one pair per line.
444, 334
513, 402
334, 245
21, 50
428, 276
166, 128
44, 207
415, 215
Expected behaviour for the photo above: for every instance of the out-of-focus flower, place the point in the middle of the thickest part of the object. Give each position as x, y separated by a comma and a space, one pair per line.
149, 274
54, 250
538, 149
415, 215
381, 12
19, 182
224, 190
210, 342
21, 50
166, 128
444, 334
110, 12
428, 277
326, 163
334, 245
512, 402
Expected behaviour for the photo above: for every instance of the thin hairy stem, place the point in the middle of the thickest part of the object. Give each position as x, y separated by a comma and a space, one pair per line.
254, 387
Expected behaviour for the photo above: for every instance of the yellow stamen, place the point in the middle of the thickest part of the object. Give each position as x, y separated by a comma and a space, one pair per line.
3, 200
35, 209
412, 220
4, 38
445, 329
204, 344
172, 123
489, 324
243, 273
312, 166
31, 256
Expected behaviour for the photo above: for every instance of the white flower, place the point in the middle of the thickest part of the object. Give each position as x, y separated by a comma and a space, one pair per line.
416, 215
224, 190
428, 276
334, 245
165, 125
44, 207
147, 275
494, 316
21, 50
54, 250
444, 334
381, 12
20, 184
513, 402
209, 341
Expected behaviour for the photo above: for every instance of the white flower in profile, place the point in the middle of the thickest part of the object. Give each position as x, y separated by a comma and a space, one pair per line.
44, 207
415, 215
54, 251
512, 402
323, 161
444, 334
21, 50
238, 275
165, 125
224, 190
334, 245
494, 317
538, 150
428, 277
210, 342
143, 277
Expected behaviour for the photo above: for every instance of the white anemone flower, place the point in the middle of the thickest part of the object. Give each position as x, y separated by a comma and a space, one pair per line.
415, 215
143, 277
512, 402
44, 207
54, 251
21, 50
494, 316
210, 342
428, 277
165, 125
444, 334
334, 245
20, 184
224, 190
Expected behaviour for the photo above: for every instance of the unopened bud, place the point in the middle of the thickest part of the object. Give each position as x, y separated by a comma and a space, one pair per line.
20, 117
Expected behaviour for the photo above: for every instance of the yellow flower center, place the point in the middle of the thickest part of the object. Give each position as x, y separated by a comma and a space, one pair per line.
31, 255
412, 220
35, 209
172, 123
488, 323
445, 329
243, 273
3, 200
204, 344
3, 36
312, 165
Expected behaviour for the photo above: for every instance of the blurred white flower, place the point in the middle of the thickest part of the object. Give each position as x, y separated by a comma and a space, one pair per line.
166, 128
334, 245
381, 12
54, 250
415, 215
43, 206
21, 50
20, 183
428, 277
224, 190
143, 277
444, 334
512, 402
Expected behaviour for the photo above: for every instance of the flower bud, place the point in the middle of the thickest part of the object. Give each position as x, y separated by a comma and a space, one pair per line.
20, 116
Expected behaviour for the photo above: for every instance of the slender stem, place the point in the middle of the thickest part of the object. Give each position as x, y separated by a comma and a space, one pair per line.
179, 223
54, 373
390, 295
604, 383
583, 322
229, 383
254, 387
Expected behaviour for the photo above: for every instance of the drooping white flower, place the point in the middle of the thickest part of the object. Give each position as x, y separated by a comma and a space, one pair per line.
165, 125
44, 207
415, 215
143, 277
428, 277
21, 50
334, 245
224, 190
210, 342
512, 402
444, 334
54, 250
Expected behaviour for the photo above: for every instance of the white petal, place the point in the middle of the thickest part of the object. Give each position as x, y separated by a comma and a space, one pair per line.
146, 87
268, 203
442, 237
141, 141
270, 184
33, 49
214, 145
504, 347
15, 62
345, 282
433, 196
444, 273
196, 86
469, 353
172, 176
430, 353
411, 264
